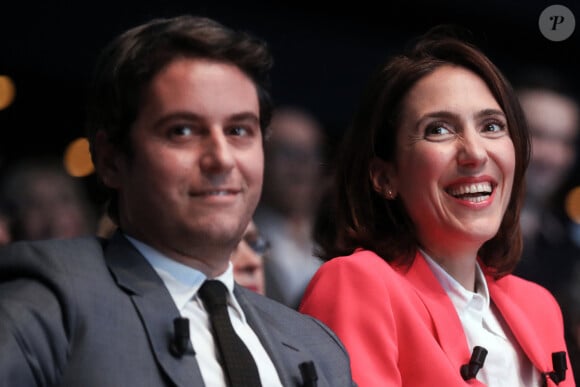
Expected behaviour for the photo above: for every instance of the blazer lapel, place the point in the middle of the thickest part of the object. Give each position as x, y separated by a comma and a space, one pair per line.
155, 307
448, 327
517, 320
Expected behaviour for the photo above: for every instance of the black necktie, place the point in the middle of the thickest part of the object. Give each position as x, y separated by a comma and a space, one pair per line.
238, 363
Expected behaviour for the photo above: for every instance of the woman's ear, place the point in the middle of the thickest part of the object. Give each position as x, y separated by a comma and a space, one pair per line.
382, 174
107, 160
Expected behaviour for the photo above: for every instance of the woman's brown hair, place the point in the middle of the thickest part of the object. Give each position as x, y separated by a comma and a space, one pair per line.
360, 217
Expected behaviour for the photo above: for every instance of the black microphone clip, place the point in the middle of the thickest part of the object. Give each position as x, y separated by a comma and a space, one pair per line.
560, 367
469, 370
309, 375
180, 343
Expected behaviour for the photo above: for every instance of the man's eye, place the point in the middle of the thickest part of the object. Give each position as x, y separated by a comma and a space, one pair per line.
181, 130
238, 131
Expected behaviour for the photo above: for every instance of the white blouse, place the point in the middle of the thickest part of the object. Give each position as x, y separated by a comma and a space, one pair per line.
506, 365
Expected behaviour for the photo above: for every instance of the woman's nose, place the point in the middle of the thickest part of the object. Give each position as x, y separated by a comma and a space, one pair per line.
472, 149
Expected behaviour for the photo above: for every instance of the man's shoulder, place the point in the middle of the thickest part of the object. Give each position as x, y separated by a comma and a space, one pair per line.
302, 334
76, 251
278, 313
301, 329
266, 304
50, 244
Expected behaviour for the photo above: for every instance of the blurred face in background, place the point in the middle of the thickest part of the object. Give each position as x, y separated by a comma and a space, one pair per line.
293, 154
248, 260
553, 123
5, 229
49, 204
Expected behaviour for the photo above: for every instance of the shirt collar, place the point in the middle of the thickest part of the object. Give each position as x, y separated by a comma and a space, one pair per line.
183, 281
461, 297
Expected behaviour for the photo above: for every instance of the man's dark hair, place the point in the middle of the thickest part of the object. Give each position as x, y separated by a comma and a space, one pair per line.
129, 63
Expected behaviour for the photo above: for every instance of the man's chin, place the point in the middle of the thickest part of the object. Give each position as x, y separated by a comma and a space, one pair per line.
223, 232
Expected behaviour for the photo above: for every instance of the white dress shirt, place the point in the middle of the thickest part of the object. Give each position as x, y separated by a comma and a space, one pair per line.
183, 282
506, 365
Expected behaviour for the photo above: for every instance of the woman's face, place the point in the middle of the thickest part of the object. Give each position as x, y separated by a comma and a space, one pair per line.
455, 162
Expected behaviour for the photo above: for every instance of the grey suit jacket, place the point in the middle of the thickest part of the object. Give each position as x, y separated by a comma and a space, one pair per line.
89, 312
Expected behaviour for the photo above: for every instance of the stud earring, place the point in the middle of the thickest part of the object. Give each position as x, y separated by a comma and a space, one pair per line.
390, 194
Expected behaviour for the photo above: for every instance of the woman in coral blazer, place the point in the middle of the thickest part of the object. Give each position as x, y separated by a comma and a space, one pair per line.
426, 232
401, 329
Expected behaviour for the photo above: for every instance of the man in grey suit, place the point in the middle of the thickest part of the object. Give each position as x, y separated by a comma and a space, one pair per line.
175, 122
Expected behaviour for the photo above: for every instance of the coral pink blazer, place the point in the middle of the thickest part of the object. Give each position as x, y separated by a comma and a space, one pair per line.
401, 329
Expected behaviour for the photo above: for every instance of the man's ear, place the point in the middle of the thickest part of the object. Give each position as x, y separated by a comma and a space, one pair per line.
383, 178
107, 160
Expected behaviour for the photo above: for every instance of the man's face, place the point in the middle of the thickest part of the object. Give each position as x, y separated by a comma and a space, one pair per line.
195, 176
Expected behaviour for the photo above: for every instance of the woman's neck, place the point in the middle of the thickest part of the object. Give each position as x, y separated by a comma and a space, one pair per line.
459, 266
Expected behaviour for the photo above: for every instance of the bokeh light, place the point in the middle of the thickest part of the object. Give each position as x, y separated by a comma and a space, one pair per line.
77, 158
7, 91
573, 204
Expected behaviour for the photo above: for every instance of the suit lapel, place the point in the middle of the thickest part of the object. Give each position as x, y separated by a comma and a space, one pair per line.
155, 307
448, 328
282, 348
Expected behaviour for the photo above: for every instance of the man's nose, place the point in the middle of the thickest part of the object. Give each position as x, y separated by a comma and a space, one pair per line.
217, 155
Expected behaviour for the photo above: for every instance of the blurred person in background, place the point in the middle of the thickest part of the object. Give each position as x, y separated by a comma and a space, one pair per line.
248, 260
45, 202
5, 225
552, 114
291, 196
550, 257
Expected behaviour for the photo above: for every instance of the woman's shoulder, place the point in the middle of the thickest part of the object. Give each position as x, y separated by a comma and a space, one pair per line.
363, 262
527, 301
362, 275
519, 287
362, 258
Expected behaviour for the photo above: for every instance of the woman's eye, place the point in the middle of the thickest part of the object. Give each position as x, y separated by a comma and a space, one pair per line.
494, 127
437, 130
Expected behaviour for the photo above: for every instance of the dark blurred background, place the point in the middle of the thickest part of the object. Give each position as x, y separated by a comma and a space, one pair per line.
324, 52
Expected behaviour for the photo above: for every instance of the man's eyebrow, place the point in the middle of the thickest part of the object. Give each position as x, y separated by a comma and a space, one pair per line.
179, 115
190, 116
244, 116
